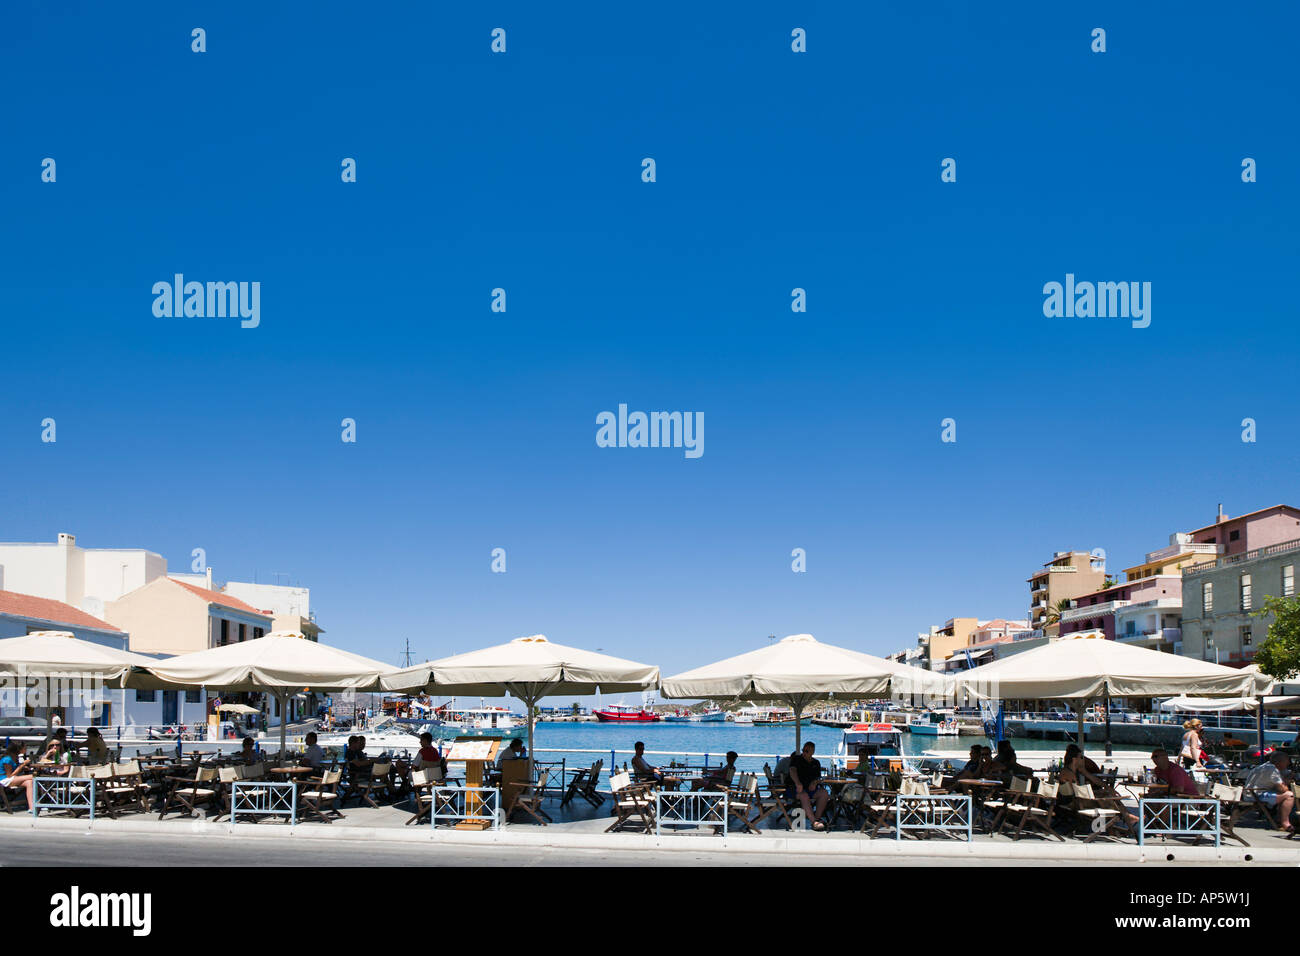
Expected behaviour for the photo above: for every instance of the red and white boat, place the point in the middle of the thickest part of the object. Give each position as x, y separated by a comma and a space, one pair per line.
621, 714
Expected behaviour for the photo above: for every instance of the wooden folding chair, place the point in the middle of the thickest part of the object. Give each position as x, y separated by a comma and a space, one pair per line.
423, 783
529, 796
584, 785
377, 782
1031, 808
1232, 804
998, 802
318, 800
127, 786
772, 803
742, 799
633, 803
1103, 814
188, 793
879, 805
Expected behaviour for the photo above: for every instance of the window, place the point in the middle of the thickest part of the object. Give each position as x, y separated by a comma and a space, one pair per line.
225, 632
1244, 588
146, 696
192, 696
1234, 535
1207, 597
1288, 580
1244, 634
243, 632
1130, 628
258, 632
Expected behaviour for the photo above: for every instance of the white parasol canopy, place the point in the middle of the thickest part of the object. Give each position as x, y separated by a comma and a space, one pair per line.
528, 668
61, 654
1083, 668
1225, 703
282, 662
800, 669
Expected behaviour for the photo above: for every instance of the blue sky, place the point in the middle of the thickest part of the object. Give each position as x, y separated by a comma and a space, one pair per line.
775, 170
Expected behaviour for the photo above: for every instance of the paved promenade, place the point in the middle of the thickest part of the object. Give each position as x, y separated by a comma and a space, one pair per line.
378, 835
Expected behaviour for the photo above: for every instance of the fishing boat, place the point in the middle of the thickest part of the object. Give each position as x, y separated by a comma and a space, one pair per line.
712, 716
936, 723
623, 714
765, 716
879, 741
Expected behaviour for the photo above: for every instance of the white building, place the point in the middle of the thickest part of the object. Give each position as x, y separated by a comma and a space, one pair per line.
86, 578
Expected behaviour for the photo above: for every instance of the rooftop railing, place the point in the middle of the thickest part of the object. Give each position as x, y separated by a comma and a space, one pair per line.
1255, 554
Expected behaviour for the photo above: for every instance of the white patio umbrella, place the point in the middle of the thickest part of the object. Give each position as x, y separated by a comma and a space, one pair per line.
1225, 703
800, 669
62, 655
1085, 667
528, 668
282, 662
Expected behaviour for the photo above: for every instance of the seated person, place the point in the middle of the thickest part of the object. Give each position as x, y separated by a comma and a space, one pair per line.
721, 778
428, 756
57, 746
1007, 764
313, 754
866, 754
988, 766
96, 749
358, 764
1269, 782
248, 752
1179, 780
642, 767
1076, 771
516, 751
805, 785
1073, 750
973, 766
16, 770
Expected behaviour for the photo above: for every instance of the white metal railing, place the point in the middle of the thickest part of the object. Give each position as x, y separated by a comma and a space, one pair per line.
1167, 816
464, 804
947, 813
63, 793
1230, 559
1092, 610
261, 797
698, 809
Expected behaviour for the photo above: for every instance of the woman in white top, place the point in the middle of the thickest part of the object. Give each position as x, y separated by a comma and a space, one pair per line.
1191, 749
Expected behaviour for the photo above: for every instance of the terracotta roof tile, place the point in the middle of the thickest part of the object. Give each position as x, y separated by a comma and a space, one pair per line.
45, 609
216, 597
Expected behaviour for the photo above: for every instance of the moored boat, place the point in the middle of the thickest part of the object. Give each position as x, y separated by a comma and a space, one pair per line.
622, 714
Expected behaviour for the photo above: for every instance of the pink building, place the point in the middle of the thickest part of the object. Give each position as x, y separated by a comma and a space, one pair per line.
1096, 611
1258, 529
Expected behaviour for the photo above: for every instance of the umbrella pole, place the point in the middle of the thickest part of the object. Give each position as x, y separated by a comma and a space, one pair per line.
284, 716
1106, 703
1078, 713
1259, 705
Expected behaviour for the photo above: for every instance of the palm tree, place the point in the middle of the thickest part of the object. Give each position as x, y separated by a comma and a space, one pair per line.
1057, 609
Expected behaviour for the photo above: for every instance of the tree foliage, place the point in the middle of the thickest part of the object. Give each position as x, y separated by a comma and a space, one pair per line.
1279, 653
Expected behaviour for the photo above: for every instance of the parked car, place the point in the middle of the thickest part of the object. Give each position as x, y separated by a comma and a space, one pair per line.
21, 727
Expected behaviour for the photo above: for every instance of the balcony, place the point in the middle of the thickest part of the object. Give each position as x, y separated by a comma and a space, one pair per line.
1229, 560
1164, 635
1092, 610
1176, 549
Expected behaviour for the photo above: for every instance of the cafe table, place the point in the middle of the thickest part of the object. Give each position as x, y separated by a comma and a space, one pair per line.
980, 791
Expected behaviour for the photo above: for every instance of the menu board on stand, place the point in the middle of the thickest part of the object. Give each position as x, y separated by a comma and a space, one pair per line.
477, 753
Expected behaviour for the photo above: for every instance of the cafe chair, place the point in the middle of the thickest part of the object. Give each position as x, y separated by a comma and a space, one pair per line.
188, 793
528, 796
318, 801
633, 803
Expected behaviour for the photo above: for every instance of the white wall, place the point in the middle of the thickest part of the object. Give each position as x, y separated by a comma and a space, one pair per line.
39, 569
284, 601
77, 576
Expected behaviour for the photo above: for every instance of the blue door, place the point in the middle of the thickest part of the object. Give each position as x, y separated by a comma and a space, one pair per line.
169, 707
